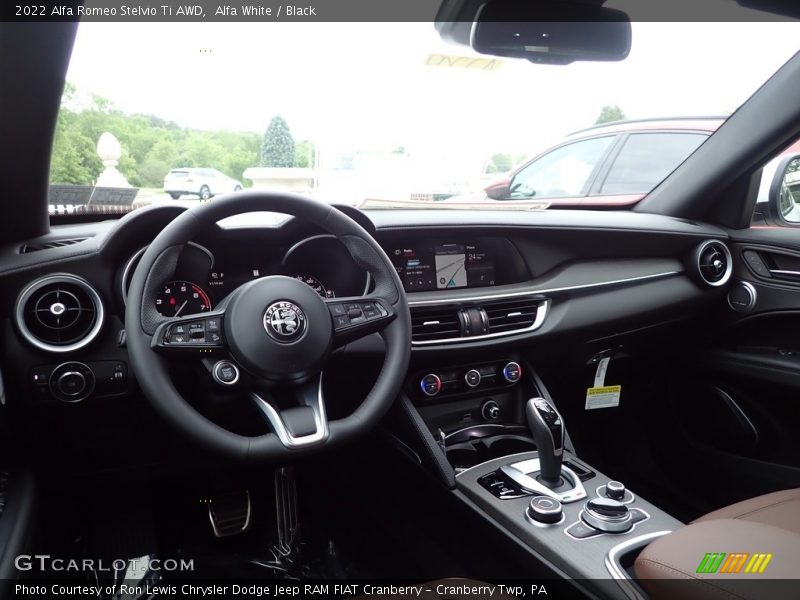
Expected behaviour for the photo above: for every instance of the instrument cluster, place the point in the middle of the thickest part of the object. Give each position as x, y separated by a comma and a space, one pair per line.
204, 276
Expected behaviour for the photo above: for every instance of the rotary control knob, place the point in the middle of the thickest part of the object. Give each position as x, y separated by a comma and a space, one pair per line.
605, 514
615, 490
490, 410
71, 381
473, 378
543, 509
430, 384
512, 372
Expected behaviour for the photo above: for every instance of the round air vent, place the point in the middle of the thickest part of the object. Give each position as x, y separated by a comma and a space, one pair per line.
59, 313
714, 263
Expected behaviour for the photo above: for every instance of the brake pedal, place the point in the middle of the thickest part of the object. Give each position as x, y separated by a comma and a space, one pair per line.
230, 513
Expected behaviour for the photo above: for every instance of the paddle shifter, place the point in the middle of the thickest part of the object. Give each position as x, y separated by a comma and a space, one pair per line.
548, 433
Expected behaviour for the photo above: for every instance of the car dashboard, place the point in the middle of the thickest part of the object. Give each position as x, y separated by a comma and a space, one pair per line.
477, 281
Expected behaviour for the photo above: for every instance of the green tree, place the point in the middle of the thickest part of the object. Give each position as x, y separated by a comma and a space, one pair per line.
277, 149
610, 113
305, 154
500, 163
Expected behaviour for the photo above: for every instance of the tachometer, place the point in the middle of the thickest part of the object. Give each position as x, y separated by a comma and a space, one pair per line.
314, 284
178, 298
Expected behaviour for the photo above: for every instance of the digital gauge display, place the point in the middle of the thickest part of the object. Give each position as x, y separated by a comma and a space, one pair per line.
179, 298
314, 284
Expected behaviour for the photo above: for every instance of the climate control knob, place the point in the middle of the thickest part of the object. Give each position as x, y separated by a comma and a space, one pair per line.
71, 381
430, 384
512, 372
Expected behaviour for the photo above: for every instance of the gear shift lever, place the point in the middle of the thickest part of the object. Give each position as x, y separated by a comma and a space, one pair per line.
548, 433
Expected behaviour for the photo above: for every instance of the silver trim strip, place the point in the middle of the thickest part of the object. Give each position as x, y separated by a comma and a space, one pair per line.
287, 439
728, 270
612, 562
533, 292
35, 286
785, 272
541, 312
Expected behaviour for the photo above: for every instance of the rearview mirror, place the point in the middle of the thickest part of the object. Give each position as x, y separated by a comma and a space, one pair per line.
551, 32
784, 193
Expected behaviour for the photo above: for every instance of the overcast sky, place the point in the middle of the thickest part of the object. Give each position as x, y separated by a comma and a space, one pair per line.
353, 86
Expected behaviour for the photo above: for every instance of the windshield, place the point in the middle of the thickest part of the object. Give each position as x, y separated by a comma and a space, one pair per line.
388, 115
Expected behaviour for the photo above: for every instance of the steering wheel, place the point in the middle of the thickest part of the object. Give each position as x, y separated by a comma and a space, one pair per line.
276, 331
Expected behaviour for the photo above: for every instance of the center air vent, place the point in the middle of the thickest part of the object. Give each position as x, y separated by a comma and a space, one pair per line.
440, 324
60, 313
511, 315
434, 323
714, 263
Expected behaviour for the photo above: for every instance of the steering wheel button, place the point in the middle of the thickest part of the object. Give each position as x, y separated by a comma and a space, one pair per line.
354, 313
341, 321
178, 339
214, 338
212, 324
179, 329
337, 310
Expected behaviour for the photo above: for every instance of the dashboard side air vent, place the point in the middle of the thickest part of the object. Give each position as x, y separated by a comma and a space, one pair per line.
434, 323
512, 314
59, 313
26, 248
714, 263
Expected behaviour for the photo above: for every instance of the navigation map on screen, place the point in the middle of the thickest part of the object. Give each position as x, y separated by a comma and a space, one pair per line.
451, 269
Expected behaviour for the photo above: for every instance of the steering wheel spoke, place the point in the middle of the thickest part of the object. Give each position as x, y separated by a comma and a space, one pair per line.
299, 426
192, 335
358, 317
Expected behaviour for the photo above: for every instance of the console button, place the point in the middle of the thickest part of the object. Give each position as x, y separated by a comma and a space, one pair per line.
225, 372
582, 531
337, 310
472, 378
637, 515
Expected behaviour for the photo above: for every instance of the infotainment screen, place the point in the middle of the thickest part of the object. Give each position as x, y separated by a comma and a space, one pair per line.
440, 266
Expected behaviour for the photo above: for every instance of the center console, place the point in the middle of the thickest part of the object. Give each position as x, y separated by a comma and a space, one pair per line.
514, 462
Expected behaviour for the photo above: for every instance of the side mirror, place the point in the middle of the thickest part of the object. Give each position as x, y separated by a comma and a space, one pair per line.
784, 191
499, 190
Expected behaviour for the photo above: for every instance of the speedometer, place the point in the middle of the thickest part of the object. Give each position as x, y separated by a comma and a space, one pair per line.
314, 284
178, 298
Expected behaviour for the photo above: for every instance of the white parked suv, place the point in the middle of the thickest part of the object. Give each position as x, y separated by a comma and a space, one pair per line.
204, 183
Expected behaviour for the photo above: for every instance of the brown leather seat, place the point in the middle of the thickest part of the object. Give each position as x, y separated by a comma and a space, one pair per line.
780, 509
760, 532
